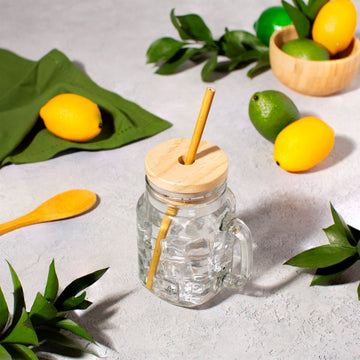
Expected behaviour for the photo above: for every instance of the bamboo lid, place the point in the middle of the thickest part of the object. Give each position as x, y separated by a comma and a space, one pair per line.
164, 167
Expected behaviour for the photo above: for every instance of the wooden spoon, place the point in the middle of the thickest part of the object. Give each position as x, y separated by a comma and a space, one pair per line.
61, 206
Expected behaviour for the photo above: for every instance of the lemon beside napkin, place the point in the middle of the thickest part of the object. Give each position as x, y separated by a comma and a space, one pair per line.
25, 86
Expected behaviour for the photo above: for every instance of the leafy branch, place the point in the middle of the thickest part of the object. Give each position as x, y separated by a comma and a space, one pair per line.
46, 321
332, 259
198, 45
303, 15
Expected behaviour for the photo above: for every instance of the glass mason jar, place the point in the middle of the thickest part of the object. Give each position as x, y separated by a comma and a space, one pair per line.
204, 246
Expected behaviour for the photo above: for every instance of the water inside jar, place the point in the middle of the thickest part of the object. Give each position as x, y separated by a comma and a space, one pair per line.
195, 254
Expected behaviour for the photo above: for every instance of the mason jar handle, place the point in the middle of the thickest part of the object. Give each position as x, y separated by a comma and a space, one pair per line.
236, 278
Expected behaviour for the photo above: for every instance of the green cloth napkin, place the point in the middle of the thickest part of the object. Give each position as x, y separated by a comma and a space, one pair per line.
25, 86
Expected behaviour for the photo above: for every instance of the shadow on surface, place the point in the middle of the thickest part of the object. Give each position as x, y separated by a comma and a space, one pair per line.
349, 276
279, 229
80, 66
343, 147
94, 321
250, 289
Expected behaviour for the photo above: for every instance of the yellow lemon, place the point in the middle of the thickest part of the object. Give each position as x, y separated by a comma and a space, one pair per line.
72, 117
335, 24
303, 144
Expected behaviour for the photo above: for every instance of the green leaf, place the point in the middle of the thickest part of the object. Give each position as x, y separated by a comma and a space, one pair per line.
239, 46
328, 273
84, 305
52, 283
301, 22
314, 7
78, 285
20, 352
300, 4
183, 35
163, 49
180, 57
73, 302
262, 65
4, 312
69, 325
58, 338
208, 68
231, 44
42, 310
23, 332
321, 256
336, 236
4, 355
245, 58
191, 26
235, 42
19, 300
342, 227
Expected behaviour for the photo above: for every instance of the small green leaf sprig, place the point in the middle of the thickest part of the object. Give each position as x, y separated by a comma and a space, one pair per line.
46, 321
332, 259
303, 15
198, 45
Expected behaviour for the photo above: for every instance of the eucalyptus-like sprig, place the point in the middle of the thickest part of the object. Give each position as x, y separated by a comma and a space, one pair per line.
46, 321
303, 15
332, 259
198, 45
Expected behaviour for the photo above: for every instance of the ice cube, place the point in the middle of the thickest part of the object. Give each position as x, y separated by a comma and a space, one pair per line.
166, 289
198, 257
173, 248
196, 292
198, 248
173, 269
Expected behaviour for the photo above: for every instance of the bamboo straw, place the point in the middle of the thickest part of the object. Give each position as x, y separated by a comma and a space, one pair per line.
190, 158
200, 125
164, 227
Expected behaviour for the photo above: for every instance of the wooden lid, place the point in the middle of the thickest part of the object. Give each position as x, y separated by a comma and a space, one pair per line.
164, 167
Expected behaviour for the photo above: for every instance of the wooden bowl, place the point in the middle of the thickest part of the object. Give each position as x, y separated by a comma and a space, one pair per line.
315, 78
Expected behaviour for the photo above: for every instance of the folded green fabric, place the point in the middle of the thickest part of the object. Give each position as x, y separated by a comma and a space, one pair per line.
25, 86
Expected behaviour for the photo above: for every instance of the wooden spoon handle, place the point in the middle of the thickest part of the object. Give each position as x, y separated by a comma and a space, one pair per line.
25, 220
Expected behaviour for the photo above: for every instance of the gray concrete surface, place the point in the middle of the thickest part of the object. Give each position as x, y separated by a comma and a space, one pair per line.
278, 316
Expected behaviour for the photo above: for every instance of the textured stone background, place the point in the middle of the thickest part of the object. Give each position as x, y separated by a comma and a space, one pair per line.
278, 316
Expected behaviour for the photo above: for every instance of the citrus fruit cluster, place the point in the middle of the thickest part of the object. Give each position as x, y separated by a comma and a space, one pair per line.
331, 32
72, 117
299, 143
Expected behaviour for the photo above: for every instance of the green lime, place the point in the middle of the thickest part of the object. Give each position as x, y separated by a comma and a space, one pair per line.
270, 111
306, 49
272, 19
